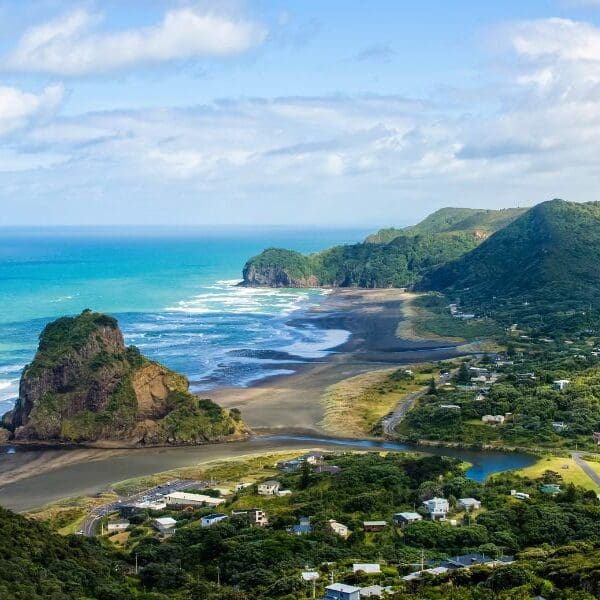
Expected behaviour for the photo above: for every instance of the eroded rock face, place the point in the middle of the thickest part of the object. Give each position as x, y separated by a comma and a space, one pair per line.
276, 277
85, 385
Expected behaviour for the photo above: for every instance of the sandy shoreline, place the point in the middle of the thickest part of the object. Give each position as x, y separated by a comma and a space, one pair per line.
293, 403
284, 404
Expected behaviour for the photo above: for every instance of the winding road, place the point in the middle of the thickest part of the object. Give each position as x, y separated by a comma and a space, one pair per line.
586, 468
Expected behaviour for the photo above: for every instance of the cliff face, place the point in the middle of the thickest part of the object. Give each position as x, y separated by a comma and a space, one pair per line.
85, 385
273, 276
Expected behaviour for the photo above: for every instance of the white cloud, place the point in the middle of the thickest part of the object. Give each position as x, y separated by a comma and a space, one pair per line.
19, 109
72, 46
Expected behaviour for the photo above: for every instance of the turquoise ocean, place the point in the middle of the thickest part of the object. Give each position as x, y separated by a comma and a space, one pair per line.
174, 292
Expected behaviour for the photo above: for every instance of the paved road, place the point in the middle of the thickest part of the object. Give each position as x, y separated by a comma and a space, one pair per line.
390, 423
90, 524
588, 470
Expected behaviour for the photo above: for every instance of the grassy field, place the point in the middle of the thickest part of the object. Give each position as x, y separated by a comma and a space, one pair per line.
572, 474
354, 406
65, 516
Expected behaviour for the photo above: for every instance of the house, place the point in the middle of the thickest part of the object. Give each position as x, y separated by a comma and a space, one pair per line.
331, 469
550, 488
375, 591
302, 527
437, 508
310, 575
342, 591
368, 568
268, 488
493, 419
118, 525
559, 426
339, 528
450, 406
432, 571
374, 525
127, 510
314, 458
256, 516
282, 493
184, 499
469, 503
466, 561
519, 495
404, 518
289, 466
165, 525
213, 519
561, 384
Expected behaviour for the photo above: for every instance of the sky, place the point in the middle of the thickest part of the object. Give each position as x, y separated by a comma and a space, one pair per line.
309, 112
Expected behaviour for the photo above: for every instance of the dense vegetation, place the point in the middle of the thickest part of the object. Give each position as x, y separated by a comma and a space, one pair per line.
552, 251
479, 222
389, 258
555, 538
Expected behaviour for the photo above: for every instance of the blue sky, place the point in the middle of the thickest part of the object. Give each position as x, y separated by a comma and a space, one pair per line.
288, 111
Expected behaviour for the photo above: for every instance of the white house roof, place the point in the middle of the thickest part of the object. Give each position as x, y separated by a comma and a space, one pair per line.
165, 521
469, 501
366, 567
310, 575
342, 587
367, 523
187, 497
410, 516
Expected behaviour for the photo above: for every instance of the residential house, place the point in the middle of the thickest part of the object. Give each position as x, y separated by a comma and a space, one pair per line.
519, 495
255, 516
561, 384
268, 488
374, 525
342, 591
375, 591
302, 527
117, 525
165, 525
432, 571
367, 568
466, 561
339, 528
185, 499
405, 518
289, 466
450, 406
469, 503
314, 458
559, 426
437, 508
213, 519
493, 419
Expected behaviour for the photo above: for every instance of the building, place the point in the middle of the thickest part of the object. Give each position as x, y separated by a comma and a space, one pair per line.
256, 516
342, 591
493, 419
165, 525
368, 568
282, 493
432, 571
405, 518
314, 458
289, 466
561, 384
559, 426
519, 495
213, 519
469, 503
302, 527
339, 528
184, 499
467, 561
268, 488
437, 508
375, 591
374, 525
118, 525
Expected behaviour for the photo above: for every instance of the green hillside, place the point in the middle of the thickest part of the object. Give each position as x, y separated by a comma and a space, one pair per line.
553, 250
478, 222
389, 258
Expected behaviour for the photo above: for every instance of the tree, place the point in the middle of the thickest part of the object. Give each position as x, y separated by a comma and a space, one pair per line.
464, 376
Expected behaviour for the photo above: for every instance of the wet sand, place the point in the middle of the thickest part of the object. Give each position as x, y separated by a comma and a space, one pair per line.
293, 403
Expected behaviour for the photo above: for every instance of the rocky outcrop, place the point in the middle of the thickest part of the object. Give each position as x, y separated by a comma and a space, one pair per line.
85, 385
277, 277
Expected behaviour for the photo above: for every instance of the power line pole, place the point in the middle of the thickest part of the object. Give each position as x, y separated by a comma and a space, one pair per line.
136, 564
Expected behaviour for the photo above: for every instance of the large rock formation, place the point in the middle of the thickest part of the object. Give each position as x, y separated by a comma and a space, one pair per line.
85, 385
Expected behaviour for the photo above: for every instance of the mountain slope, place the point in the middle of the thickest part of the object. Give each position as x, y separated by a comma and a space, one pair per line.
390, 258
85, 385
479, 222
554, 248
